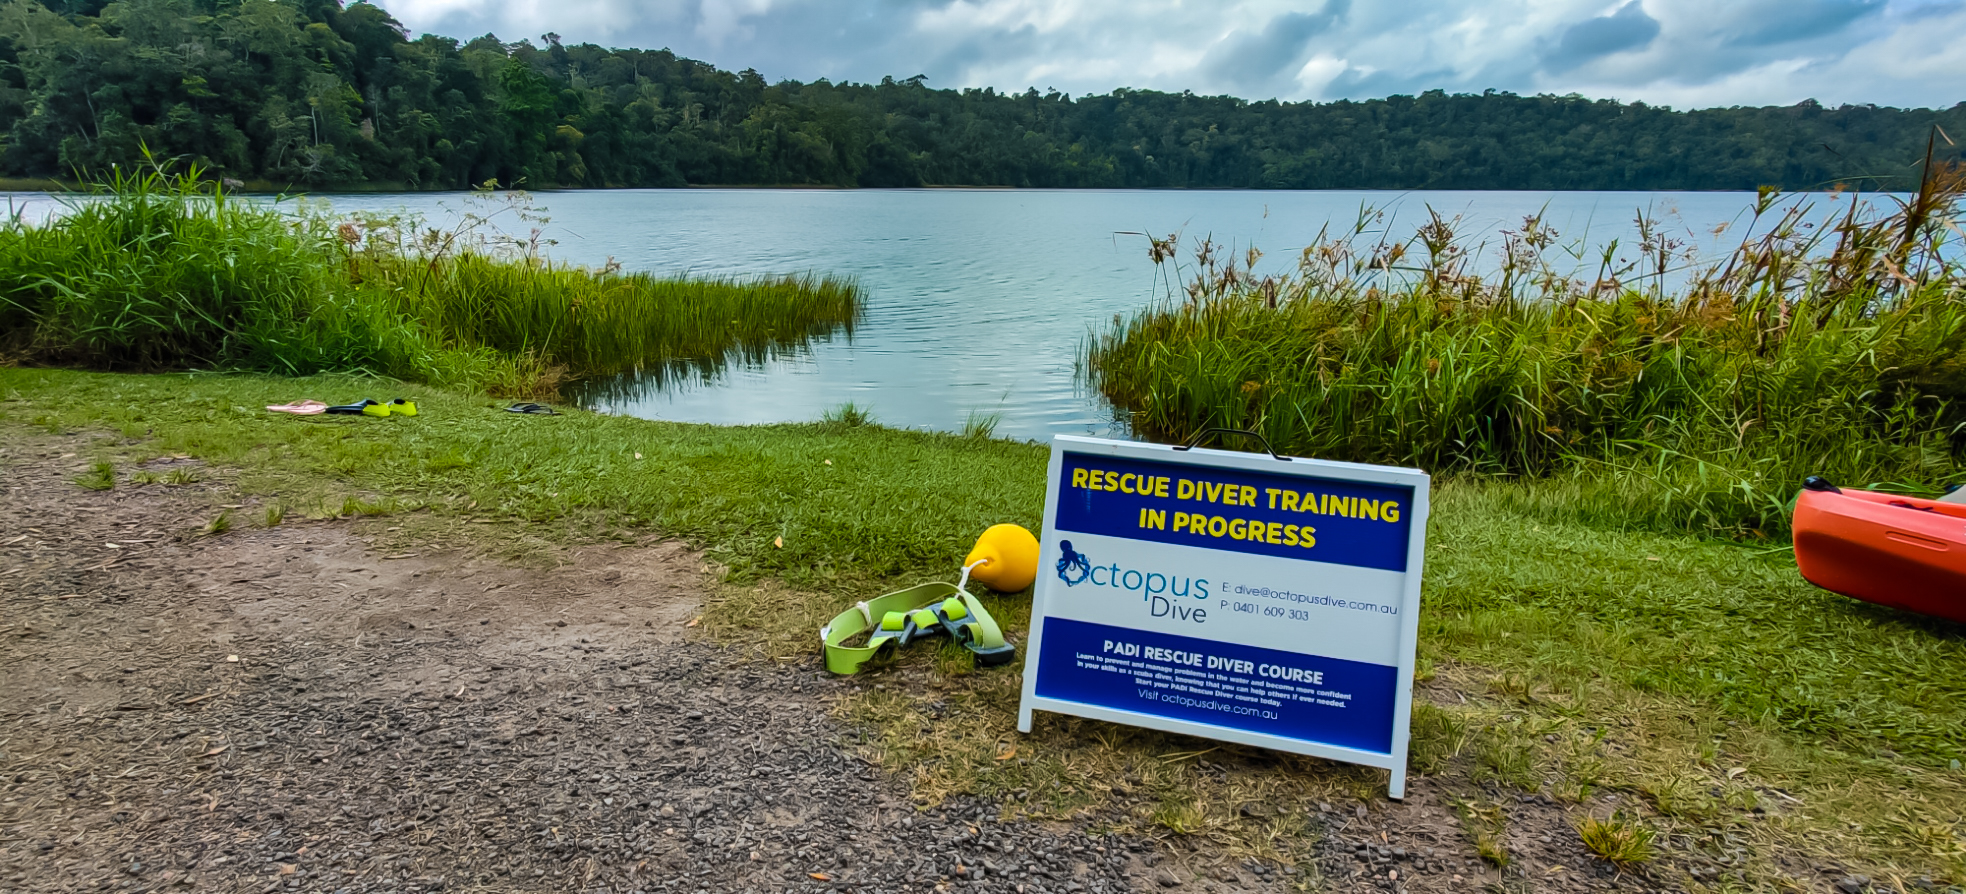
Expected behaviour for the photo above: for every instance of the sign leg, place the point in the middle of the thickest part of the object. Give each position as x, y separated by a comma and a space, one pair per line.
1396, 787
1023, 719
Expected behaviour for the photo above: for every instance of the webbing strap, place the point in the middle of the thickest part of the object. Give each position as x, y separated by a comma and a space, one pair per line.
978, 632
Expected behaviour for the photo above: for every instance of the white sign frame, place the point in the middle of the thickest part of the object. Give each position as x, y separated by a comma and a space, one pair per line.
1048, 590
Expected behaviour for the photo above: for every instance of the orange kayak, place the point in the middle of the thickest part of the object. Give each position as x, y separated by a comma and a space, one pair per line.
1904, 552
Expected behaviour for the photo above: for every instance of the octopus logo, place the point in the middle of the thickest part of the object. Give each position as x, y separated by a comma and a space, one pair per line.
1073, 566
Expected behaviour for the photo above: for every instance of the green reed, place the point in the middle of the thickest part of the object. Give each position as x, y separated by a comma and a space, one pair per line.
165, 270
1834, 348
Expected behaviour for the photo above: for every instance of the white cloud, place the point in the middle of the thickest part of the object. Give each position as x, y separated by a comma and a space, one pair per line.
965, 16
724, 20
1319, 72
1679, 52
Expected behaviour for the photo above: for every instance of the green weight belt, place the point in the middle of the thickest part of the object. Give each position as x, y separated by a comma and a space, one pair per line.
895, 620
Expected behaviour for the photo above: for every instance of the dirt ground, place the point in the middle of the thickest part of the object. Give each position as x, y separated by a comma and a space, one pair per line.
298, 708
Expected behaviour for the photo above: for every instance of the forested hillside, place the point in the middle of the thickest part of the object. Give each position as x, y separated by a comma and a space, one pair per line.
312, 94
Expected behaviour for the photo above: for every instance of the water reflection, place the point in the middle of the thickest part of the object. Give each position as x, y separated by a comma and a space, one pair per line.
649, 381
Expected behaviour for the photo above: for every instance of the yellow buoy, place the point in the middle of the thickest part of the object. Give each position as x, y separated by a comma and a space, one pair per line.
1010, 559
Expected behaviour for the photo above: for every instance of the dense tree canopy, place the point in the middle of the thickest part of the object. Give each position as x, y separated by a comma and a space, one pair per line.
314, 94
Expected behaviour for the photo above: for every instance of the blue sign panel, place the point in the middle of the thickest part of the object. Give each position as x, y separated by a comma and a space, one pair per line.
1294, 517
1348, 703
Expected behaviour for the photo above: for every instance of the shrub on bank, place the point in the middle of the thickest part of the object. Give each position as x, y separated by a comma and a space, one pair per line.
1667, 391
163, 271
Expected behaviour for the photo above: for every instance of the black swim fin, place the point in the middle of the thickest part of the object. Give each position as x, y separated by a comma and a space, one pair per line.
355, 409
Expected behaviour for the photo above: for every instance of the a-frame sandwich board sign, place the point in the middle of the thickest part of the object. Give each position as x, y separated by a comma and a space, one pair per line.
1246, 597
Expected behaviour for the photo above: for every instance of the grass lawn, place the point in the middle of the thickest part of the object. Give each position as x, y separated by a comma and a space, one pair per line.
1697, 688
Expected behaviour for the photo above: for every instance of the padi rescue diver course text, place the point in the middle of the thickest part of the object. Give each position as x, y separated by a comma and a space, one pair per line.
1243, 597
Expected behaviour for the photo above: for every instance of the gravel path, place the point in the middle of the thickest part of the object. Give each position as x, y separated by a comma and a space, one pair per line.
293, 709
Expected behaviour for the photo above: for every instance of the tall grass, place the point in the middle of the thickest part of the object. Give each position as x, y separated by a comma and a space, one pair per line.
1666, 390
163, 270
167, 273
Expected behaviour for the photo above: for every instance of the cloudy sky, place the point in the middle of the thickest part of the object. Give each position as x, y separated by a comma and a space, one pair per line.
1684, 53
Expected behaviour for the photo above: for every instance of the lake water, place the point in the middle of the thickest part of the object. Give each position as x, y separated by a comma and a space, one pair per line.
979, 301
